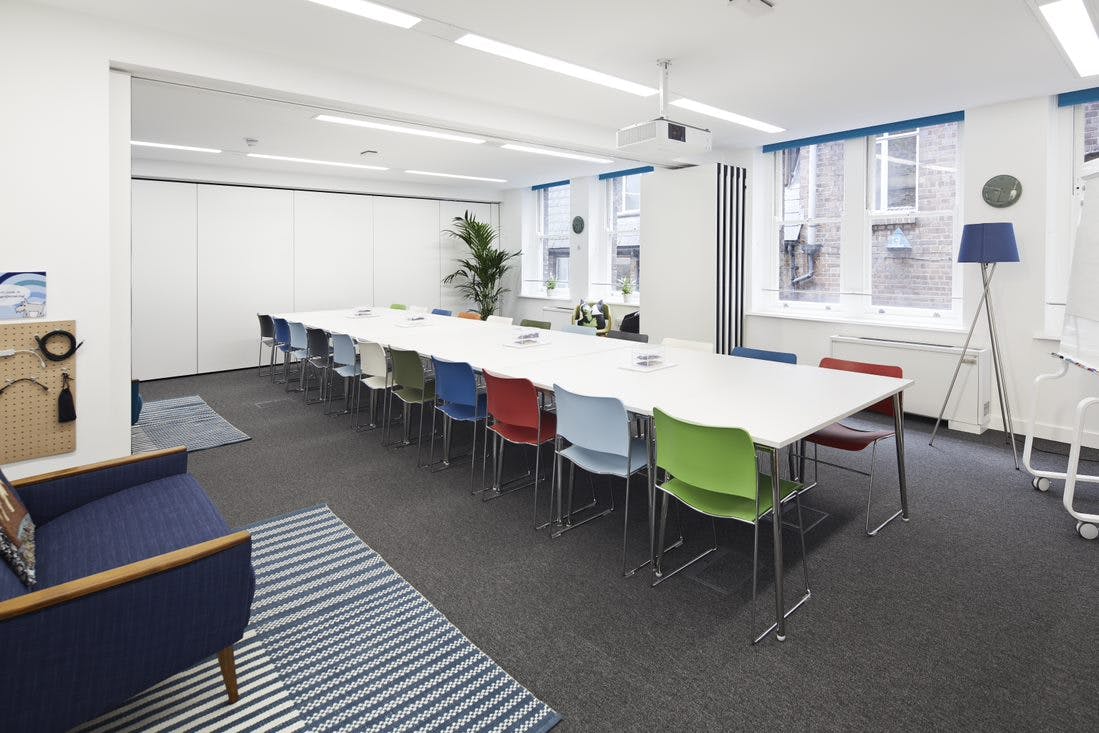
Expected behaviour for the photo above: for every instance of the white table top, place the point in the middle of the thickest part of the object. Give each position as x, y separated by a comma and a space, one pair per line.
778, 404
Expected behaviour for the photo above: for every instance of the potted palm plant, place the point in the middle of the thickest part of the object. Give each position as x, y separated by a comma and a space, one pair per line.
482, 271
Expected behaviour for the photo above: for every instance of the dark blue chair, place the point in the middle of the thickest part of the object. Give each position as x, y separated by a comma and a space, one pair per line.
282, 343
442, 312
457, 397
139, 578
783, 357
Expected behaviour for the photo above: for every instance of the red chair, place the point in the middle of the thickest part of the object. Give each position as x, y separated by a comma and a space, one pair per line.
845, 437
516, 416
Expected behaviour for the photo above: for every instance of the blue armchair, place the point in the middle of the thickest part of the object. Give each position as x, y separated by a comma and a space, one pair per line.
138, 579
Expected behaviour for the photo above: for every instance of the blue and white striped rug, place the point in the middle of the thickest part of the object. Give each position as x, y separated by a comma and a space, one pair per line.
185, 421
352, 645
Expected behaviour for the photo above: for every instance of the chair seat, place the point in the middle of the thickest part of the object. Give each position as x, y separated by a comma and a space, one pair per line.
348, 370
843, 437
130, 525
375, 382
727, 506
525, 435
601, 463
416, 396
466, 413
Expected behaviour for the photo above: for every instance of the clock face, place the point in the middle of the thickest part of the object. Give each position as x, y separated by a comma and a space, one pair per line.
578, 224
1002, 191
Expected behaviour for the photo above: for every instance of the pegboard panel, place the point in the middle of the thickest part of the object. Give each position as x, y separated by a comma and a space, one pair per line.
28, 414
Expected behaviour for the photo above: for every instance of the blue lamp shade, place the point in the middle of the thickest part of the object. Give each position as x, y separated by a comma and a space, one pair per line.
988, 243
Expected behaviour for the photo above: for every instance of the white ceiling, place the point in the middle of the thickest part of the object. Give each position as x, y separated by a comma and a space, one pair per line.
810, 66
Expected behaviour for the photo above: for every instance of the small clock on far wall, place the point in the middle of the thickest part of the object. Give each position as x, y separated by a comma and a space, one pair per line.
578, 224
1002, 191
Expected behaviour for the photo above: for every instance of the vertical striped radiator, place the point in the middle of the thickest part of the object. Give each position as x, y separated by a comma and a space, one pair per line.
732, 185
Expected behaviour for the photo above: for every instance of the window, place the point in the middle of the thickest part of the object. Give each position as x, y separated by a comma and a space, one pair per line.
866, 227
623, 197
551, 263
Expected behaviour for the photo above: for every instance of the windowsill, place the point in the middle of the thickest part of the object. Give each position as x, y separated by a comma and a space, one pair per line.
906, 323
634, 301
543, 296
1047, 337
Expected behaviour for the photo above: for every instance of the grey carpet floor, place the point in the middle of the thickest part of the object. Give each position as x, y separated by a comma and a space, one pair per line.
980, 613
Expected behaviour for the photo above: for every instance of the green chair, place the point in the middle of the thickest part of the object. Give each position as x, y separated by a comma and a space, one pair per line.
412, 387
399, 307
714, 471
529, 323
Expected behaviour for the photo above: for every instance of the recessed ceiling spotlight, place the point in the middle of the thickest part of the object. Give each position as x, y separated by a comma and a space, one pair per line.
289, 159
455, 175
166, 146
1071, 24
373, 11
549, 63
453, 137
554, 153
721, 114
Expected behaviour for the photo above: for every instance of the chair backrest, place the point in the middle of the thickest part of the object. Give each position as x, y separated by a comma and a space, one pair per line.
513, 401
372, 359
783, 357
470, 315
573, 328
298, 338
343, 349
885, 407
318, 342
531, 323
408, 370
627, 336
399, 307
674, 343
631, 322
722, 460
266, 326
505, 320
596, 423
282, 331
455, 382
441, 312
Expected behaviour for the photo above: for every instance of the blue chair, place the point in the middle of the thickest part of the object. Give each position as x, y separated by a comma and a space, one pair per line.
345, 364
138, 578
299, 349
266, 338
136, 401
584, 330
442, 312
457, 397
282, 343
598, 430
782, 357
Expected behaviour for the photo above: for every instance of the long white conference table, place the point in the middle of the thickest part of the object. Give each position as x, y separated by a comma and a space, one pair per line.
778, 404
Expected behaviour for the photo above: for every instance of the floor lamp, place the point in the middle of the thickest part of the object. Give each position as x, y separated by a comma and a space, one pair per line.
987, 244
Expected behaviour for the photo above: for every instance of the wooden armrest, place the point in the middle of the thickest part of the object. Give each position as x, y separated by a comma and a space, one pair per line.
92, 467
81, 587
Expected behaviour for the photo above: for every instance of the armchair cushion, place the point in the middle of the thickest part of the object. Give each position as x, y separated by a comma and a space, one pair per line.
16, 533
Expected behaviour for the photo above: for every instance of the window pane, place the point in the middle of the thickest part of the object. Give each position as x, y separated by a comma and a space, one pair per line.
624, 230
913, 263
809, 268
812, 181
554, 222
938, 173
1091, 131
894, 171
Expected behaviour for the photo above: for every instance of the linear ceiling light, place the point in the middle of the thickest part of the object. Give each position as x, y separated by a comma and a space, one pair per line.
288, 159
166, 146
721, 114
1071, 24
373, 11
554, 153
398, 128
455, 175
521, 55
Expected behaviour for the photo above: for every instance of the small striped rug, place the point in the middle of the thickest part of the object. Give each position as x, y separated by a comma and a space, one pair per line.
354, 646
185, 421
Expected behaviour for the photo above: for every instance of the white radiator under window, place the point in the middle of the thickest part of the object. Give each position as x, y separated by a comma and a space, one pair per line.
931, 366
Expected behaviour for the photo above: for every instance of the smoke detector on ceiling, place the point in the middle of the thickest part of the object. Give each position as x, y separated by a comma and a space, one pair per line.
250, 142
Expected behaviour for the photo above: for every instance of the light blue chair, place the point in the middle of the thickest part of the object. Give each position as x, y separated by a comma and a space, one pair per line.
601, 443
442, 312
299, 350
783, 357
584, 330
345, 364
457, 397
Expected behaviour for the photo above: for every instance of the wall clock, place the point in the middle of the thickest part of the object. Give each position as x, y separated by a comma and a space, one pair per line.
1002, 191
578, 224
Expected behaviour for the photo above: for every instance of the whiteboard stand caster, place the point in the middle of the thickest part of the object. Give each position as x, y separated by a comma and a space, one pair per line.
1087, 531
1040, 483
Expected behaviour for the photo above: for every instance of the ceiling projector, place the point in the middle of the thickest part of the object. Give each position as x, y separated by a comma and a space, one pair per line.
663, 137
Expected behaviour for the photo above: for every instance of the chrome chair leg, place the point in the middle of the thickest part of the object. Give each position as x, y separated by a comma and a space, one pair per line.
870, 496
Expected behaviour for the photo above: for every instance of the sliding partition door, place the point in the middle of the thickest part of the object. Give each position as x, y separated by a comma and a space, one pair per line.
406, 252
333, 250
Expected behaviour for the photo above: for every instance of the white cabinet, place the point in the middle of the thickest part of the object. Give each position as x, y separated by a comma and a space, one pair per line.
163, 286
245, 266
406, 252
333, 250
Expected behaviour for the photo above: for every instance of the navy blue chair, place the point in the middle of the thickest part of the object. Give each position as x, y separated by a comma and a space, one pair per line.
457, 397
282, 343
138, 578
442, 312
783, 357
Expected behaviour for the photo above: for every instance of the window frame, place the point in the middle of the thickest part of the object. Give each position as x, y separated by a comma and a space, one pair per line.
609, 244
537, 246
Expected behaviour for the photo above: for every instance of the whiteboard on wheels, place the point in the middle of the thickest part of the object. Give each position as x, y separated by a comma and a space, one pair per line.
1080, 335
